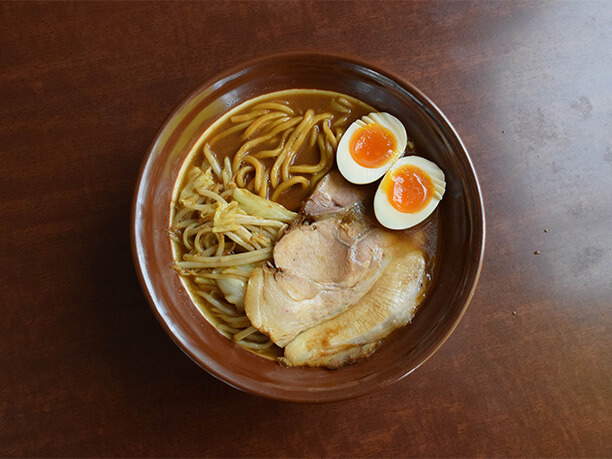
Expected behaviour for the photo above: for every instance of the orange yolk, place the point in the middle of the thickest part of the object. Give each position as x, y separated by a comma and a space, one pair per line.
372, 145
409, 189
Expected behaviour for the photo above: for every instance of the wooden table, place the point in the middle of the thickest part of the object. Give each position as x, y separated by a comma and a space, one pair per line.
85, 369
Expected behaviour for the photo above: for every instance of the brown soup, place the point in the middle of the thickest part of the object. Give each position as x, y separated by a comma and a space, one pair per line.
277, 146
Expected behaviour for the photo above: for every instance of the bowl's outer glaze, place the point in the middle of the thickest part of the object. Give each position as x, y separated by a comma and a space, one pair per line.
461, 210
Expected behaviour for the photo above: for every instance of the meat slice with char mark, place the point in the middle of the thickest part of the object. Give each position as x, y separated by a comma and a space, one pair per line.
390, 304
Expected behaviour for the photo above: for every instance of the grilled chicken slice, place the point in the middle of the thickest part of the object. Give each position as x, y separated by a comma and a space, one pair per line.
390, 304
319, 271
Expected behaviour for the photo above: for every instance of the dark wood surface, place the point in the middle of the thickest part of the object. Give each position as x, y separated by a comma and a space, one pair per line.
85, 369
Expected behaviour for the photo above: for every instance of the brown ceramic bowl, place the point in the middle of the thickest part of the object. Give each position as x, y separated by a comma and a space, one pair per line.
461, 211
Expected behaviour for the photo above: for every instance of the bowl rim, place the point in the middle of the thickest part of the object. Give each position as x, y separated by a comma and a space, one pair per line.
147, 162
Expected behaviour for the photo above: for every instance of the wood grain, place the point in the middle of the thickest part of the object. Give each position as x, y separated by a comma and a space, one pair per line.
85, 370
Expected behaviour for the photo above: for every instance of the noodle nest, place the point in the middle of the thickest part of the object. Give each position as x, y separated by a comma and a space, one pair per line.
227, 217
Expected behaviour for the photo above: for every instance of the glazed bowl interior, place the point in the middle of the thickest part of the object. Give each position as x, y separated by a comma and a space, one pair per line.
461, 211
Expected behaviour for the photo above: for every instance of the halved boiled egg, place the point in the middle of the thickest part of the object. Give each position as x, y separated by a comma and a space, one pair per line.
370, 146
409, 192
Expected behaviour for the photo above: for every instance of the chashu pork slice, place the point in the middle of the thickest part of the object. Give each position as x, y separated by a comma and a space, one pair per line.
319, 271
390, 304
332, 194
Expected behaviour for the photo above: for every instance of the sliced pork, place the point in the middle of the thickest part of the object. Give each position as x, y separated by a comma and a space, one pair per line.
390, 304
333, 193
339, 284
319, 270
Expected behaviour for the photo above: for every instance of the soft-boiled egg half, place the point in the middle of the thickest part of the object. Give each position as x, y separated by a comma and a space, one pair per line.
370, 146
409, 192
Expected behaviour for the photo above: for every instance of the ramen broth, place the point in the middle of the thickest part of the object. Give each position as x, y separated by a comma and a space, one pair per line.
224, 139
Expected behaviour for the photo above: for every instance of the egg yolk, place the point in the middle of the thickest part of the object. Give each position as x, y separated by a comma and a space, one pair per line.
409, 189
372, 145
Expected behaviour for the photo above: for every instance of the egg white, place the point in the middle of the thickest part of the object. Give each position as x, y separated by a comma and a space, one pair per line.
392, 218
360, 175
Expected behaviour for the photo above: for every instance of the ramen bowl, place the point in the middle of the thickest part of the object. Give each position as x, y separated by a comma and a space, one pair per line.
460, 251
